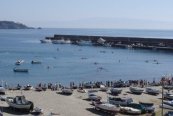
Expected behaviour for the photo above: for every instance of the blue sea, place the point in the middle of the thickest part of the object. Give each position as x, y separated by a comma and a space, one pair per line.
77, 63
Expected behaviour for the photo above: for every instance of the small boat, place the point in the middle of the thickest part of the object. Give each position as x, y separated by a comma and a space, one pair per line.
38, 89
45, 41
136, 90
35, 62
19, 102
152, 91
81, 90
61, 41
67, 91
103, 88
37, 111
94, 97
120, 100
168, 103
28, 87
149, 107
133, 108
2, 90
166, 106
169, 113
168, 96
20, 70
18, 62
169, 87
106, 107
115, 91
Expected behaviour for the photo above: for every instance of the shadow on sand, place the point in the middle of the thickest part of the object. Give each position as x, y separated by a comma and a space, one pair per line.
13, 111
63, 94
100, 113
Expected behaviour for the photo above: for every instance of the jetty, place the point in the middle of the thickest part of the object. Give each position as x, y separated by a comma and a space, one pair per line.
122, 42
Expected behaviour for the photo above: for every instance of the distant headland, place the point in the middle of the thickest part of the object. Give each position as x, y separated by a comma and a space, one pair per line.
13, 25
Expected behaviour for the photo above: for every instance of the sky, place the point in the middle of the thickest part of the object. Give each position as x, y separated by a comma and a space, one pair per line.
122, 14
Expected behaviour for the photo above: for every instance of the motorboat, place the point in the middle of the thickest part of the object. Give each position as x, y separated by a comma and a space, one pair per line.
136, 90
169, 87
103, 88
67, 91
61, 41
101, 41
168, 96
94, 97
168, 102
45, 41
169, 113
28, 87
37, 111
133, 108
166, 106
149, 107
2, 90
19, 102
120, 100
18, 62
38, 88
35, 62
81, 90
152, 91
21, 70
115, 91
106, 107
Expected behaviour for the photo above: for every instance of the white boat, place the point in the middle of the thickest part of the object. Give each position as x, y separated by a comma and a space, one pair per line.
130, 110
168, 102
45, 41
18, 62
94, 97
37, 111
101, 41
115, 91
2, 90
67, 91
136, 90
103, 88
19, 102
20, 70
81, 90
104, 106
35, 62
120, 100
152, 91
166, 106
28, 87
168, 96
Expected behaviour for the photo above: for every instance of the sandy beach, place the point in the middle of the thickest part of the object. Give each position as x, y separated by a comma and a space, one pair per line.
76, 104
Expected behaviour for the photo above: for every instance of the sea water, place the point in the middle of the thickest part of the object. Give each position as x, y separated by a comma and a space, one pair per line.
65, 63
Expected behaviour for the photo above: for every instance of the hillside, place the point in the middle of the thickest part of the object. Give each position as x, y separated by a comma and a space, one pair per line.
12, 25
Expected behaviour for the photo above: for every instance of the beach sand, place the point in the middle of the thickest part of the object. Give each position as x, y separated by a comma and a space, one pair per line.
76, 104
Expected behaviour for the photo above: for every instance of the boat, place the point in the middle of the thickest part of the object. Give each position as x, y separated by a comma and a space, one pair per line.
133, 108
168, 96
19, 102
45, 41
168, 102
18, 62
115, 91
94, 97
28, 87
106, 107
61, 41
81, 90
120, 100
101, 41
20, 70
37, 111
136, 90
166, 106
35, 62
169, 113
67, 91
152, 91
2, 90
169, 87
103, 88
149, 107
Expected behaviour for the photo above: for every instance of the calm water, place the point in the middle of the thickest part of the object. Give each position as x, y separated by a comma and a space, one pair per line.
66, 64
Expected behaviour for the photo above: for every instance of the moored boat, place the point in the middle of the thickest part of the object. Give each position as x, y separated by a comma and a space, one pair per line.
67, 91
19, 102
136, 90
94, 97
28, 87
18, 62
168, 96
35, 62
152, 91
120, 100
149, 107
106, 107
115, 91
103, 88
45, 41
2, 90
20, 70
